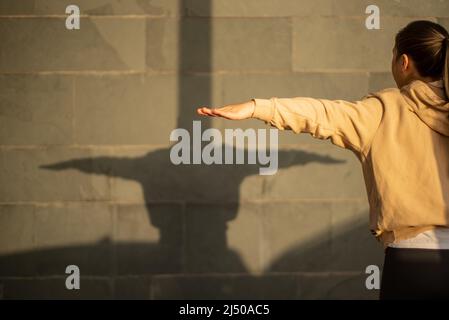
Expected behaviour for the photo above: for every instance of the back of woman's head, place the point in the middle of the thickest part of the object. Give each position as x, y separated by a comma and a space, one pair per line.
427, 44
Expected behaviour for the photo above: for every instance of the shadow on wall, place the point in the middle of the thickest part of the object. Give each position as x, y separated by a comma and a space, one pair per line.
192, 230
202, 247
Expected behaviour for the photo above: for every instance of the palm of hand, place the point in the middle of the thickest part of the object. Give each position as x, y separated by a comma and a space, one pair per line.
233, 112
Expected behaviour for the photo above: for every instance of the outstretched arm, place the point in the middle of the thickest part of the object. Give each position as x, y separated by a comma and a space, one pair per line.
348, 124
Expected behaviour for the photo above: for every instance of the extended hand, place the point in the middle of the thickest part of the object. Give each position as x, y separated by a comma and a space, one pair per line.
239, 111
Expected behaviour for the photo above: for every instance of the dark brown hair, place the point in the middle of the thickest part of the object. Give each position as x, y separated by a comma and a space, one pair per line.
427, 44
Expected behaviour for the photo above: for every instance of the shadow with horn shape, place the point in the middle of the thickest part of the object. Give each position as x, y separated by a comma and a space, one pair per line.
190, 206
208, 196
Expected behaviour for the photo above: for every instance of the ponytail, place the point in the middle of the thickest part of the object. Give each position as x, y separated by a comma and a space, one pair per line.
446, 70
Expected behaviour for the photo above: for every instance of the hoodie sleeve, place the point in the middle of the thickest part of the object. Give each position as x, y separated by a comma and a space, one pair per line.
350, 125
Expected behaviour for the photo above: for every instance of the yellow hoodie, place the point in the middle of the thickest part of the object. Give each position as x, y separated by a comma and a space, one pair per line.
401, 138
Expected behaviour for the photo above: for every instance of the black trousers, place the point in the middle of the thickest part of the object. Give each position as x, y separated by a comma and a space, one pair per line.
412, 273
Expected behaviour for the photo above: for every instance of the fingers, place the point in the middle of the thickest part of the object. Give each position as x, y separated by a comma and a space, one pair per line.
231, 112
215, 112
204, 111
212, 112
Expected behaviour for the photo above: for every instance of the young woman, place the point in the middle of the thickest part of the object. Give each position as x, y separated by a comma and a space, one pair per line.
401, 137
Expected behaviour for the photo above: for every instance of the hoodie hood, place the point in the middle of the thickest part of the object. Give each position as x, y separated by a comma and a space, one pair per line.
429, 105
